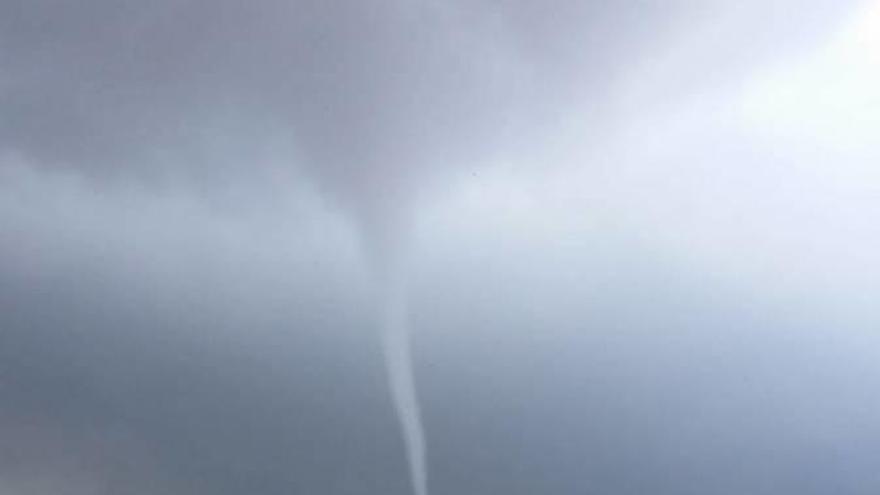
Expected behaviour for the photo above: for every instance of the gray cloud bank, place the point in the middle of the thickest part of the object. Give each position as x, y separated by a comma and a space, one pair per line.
190, 355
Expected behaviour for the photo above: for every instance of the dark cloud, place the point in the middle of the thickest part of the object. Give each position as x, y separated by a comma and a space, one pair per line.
376, 96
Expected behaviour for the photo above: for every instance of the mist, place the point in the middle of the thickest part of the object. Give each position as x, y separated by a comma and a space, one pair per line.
438, 247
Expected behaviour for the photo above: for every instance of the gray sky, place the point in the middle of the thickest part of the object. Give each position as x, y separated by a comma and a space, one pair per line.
642, 241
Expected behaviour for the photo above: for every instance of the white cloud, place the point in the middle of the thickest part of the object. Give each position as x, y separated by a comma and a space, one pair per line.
829, 98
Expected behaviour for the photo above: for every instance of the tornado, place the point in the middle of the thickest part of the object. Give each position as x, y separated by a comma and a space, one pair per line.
396, 347
384, 227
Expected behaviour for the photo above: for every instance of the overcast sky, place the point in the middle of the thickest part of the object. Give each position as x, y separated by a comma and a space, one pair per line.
642, 243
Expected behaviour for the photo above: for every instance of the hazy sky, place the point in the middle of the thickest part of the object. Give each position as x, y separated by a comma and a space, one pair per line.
642, 242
